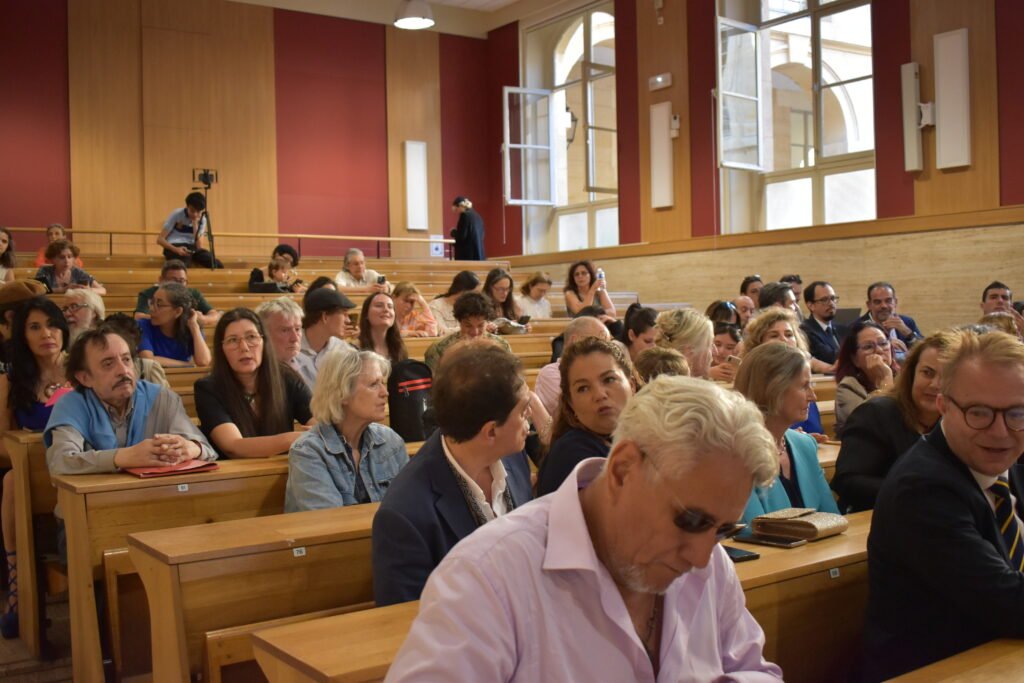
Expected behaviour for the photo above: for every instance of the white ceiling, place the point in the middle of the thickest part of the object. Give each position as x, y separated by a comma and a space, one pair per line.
475, 5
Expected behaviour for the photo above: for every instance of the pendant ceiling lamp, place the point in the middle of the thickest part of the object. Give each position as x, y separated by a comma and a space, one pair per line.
414, 15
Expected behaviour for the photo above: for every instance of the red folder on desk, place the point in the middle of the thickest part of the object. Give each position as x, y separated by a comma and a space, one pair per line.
188, 466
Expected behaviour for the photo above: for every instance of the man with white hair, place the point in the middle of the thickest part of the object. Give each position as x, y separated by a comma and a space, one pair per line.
354, 273
594, 581
548, 386
282, 318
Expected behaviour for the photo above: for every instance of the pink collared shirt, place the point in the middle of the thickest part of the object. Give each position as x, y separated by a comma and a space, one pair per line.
525, 598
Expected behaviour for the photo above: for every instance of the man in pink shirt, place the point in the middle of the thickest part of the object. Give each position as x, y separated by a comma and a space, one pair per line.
618, 575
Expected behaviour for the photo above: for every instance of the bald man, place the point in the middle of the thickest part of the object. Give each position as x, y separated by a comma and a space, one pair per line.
549, 380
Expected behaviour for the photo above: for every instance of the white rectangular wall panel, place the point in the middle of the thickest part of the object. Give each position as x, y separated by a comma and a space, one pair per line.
662, 194
952, 99
911, 94
416, 205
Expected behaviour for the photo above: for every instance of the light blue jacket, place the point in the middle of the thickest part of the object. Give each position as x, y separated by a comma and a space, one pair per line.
810, 478
321, 473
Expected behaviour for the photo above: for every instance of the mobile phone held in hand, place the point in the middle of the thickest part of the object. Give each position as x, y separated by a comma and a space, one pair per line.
523, 319
381, 279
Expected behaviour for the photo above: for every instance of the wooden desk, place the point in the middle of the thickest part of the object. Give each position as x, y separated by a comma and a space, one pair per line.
100, 510
1001, 661
811, 619
208, 577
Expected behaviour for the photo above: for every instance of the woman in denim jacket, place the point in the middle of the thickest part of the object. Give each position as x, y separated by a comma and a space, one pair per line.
347, 457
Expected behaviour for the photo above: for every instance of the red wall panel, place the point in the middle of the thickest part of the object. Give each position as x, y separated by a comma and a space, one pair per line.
1010, 80
35, 142
700, 34
504, 225
466, 164
890, 38
332, 156
627, 106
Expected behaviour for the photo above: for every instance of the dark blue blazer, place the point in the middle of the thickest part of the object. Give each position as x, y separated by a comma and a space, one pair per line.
822, 345
939, 575
422, 516
914, 335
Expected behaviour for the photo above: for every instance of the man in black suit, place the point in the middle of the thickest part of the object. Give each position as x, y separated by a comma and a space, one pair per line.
902, 329
823, 335
471, 470
945, 552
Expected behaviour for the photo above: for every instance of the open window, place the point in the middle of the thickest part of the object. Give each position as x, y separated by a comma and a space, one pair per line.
527, 159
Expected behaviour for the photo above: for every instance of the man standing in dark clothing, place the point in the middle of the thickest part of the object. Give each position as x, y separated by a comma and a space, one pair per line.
469, 233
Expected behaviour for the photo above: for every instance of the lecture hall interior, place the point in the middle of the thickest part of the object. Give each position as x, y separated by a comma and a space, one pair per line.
680, 145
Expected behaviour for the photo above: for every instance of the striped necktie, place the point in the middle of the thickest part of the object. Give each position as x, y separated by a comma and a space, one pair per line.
1009, 526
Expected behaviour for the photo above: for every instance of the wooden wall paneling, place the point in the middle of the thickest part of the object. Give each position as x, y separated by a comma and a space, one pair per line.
208, 95
975, 187
939, 276
662, 48
414, 113
105, 101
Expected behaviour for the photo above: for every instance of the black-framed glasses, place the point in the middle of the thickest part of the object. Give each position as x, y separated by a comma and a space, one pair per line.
698, 521
980, 416
827, 300
73, 308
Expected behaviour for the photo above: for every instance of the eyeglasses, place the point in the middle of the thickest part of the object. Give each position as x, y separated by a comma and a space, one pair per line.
153, 303
696, 521
871, 347
826, 300
251, 341
73, 308
979, 416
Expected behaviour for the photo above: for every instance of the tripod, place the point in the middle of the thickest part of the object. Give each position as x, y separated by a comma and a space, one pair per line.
206, 178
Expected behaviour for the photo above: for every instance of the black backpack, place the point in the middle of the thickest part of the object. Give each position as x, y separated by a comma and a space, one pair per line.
409, 400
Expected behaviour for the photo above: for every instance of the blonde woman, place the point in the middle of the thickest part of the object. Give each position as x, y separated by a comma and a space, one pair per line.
415, 318
533, 297
781, 324
689, 332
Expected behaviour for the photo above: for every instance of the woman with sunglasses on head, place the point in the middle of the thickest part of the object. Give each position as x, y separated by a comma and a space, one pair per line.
884, 427
864, 365
34, 382
249, 403
173, 336
777, 378
596, 383
723, 312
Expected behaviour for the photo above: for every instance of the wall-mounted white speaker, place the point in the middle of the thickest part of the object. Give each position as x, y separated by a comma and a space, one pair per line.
952, 99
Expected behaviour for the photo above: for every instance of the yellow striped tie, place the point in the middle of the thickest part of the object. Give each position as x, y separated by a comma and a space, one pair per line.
1009, 526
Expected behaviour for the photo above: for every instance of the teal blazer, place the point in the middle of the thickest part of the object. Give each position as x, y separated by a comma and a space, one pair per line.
809, 477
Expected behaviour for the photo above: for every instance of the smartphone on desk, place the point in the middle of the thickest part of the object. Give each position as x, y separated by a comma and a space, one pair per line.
740, 555
748, 536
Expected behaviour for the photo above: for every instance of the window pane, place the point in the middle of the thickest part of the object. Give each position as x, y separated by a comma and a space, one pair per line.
607, 227
789, 204
602, 37
602, 100
739, 61
848, 123
606, 159
572, 231
773, 9
739, 130
846, 45
528, 169
850, 196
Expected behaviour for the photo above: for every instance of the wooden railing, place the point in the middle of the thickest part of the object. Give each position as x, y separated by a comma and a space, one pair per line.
110, 233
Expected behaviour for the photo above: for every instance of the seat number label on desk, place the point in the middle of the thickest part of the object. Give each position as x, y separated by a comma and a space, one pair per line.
298, 552
182, 488
833, 573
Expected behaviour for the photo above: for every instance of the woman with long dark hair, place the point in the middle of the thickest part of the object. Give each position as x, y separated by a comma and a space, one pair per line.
442, 305
378, 328
249, 403
173, 336
864, 365
8, 260
498, 286
582, 290
638, 329
34, 382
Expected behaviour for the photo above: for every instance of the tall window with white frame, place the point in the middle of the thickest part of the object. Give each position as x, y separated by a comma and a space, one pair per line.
568, 101
795, 113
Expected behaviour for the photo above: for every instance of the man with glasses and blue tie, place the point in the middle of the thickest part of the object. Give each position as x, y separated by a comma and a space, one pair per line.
945, 554
902, 329
617, 575
823, 334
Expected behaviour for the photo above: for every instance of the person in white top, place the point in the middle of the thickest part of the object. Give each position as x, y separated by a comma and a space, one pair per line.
533, 297
443, 306
354, 273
